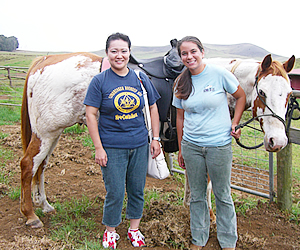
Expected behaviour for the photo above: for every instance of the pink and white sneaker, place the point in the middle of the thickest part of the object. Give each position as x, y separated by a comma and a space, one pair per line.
110, 239
136, 237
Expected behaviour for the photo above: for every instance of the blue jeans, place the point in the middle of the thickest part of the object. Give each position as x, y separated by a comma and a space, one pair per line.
217, 162
126, 168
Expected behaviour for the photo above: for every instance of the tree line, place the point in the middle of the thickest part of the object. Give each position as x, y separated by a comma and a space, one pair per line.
8, 43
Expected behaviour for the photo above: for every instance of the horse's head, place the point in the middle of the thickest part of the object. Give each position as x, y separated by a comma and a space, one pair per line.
270, 97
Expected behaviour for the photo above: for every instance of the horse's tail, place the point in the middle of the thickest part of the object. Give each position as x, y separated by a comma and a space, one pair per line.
25, 120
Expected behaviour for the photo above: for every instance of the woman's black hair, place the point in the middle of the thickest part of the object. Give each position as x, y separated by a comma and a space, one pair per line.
117, 36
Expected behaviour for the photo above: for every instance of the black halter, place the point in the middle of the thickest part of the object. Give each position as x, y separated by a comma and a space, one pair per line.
256, 118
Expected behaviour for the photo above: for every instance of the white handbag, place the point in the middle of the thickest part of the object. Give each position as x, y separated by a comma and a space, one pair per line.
157, 167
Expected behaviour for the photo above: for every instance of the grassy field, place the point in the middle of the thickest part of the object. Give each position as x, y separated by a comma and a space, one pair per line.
17, 59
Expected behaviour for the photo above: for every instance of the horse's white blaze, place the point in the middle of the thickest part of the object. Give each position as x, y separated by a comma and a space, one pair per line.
277, 90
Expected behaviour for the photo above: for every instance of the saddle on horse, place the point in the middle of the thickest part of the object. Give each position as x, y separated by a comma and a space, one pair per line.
162, 71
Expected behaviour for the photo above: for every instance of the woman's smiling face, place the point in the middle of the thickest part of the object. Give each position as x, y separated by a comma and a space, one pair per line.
118, 54
191, 57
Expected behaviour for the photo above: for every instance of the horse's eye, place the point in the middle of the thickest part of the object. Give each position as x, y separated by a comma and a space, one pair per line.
261, 93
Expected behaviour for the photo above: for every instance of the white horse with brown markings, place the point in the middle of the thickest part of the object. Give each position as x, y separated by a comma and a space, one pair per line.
53, 97
267, 88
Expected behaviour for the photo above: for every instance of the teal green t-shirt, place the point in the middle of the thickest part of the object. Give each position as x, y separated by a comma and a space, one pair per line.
206, 118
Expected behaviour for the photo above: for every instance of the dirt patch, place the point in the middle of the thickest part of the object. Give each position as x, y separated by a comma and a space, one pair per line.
72, 173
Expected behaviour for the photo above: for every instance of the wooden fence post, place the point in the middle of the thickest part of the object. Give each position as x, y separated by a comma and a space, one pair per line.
284, 178
8, 76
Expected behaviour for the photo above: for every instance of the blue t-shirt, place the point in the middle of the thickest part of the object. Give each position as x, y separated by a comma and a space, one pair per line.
206, 114
120, 102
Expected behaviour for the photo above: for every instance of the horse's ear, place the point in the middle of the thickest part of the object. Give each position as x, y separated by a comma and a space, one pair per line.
266, 63
289, 64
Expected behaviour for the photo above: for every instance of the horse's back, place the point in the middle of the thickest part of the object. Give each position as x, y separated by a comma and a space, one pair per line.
56, 88
244, 70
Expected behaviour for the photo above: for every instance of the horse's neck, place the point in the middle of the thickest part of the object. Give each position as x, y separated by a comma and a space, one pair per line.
245, 74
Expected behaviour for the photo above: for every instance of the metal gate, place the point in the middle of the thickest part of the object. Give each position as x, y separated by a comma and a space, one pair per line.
252, 170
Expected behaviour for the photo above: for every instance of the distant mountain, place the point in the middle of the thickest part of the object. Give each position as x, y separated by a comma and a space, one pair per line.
241, 50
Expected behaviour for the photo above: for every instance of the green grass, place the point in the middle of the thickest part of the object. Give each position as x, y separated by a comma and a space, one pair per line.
75, 129
155, 194
17, 59
3, 135
242, 205
73, 222
10, 115
250, 137
5, 174
14, 193
5, 155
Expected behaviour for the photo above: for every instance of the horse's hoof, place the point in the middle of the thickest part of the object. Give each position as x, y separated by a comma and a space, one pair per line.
35, 224
49, 209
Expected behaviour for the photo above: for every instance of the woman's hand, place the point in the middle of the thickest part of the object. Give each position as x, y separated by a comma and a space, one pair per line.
101, 157
235, 134
240, 97
155, 148
181, 160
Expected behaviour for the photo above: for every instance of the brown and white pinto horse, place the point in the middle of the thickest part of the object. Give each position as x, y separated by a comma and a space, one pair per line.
53, 97
267, 88
53, 100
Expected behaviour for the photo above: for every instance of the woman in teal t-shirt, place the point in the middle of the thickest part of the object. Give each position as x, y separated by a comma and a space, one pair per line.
204, 133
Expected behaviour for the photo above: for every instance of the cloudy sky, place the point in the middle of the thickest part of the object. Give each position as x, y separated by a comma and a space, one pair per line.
63, 25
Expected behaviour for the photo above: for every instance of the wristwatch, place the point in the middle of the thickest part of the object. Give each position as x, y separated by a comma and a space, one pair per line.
156, 138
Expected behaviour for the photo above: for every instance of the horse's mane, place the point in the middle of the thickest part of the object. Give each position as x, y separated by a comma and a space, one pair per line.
278, 70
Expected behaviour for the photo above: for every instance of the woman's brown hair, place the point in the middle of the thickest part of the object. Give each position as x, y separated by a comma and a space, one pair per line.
183, 85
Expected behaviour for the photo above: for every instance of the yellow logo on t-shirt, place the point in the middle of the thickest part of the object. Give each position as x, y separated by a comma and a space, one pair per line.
127, 102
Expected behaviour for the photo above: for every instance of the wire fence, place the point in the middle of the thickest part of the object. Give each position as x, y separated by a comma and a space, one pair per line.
252, 170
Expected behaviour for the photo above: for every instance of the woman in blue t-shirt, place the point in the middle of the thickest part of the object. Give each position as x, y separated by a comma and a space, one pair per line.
204, 133
120, 137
